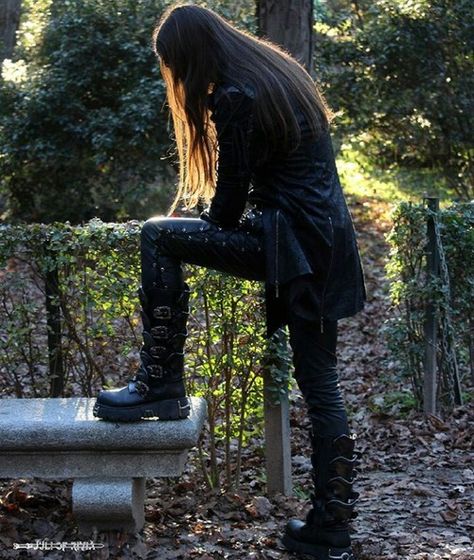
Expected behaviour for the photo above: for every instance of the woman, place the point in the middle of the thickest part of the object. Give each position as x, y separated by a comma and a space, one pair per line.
252, 127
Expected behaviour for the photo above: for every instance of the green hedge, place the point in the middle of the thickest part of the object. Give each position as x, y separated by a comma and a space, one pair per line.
452, 294
94, 270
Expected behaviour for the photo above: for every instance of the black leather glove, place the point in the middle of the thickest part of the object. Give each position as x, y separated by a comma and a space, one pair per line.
233, 117
204, 215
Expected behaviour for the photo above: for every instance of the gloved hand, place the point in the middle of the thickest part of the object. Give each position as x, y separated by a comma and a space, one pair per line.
204, 215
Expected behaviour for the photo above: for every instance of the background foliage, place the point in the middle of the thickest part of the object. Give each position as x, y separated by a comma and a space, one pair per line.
401, 73
84, 131
83, 128
411, 289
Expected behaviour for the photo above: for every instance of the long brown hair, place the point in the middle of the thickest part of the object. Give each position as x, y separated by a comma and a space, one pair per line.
198, 48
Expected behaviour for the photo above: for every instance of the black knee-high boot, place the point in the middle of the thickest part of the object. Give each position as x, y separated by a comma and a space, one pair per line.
157, 389
325, 532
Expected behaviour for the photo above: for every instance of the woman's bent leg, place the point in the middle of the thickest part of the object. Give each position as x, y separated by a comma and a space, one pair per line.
157, 389
168, 242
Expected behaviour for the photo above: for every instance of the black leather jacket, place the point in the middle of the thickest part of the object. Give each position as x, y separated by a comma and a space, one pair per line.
311, 249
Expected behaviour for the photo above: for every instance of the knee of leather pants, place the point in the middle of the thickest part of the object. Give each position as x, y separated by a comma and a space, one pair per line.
315, 371
166, 242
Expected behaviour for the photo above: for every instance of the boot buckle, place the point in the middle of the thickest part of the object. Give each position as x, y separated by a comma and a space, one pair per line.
162, 312
159, 331
343, 556
157, 351
184, 408
141, 387
155, 371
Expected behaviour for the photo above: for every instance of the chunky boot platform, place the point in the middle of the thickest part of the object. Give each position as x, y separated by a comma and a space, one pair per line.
157, 389
325, 532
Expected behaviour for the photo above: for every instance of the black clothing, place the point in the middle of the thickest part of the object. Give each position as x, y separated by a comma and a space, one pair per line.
299, 240
166, 242
324, 534
310, 243
157, 387
315, 371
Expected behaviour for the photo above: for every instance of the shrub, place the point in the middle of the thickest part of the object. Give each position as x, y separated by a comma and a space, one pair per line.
451, 292
402, 74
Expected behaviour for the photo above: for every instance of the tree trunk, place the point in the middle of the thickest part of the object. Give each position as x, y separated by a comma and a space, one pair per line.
9, 20
288, 23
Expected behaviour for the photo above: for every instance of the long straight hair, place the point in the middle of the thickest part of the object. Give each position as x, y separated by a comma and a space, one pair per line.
197, 48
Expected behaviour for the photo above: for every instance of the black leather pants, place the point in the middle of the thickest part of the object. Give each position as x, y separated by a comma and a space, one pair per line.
166, 242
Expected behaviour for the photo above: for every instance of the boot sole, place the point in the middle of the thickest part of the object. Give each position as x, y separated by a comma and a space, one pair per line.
172, 409
317, 551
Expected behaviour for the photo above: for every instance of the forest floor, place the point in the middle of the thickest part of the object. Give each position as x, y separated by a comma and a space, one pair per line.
416, 476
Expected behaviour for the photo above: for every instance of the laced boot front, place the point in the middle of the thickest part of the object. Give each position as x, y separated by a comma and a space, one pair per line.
157, 389
325, 532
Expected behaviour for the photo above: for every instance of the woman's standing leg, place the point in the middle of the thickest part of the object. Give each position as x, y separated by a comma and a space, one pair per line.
315, 371
325, 532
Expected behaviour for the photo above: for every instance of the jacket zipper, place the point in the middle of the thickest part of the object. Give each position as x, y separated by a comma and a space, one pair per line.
276, 254
327, 277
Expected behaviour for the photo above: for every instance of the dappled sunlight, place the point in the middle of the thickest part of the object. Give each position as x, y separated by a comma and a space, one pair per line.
14, 72
378, 190
29, 38
31, 30
369, 198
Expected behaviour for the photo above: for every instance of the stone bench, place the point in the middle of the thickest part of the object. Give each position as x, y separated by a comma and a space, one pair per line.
59, 438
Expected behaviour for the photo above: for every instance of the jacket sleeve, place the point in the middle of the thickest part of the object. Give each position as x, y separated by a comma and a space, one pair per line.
233, 118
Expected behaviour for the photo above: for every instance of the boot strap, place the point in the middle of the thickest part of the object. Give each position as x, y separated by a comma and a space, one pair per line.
334, 461
136, 384
160, 331
343, 511
168, 307
152, 371
325, 513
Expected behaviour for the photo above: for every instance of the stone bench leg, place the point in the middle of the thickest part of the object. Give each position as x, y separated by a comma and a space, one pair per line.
109, 504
